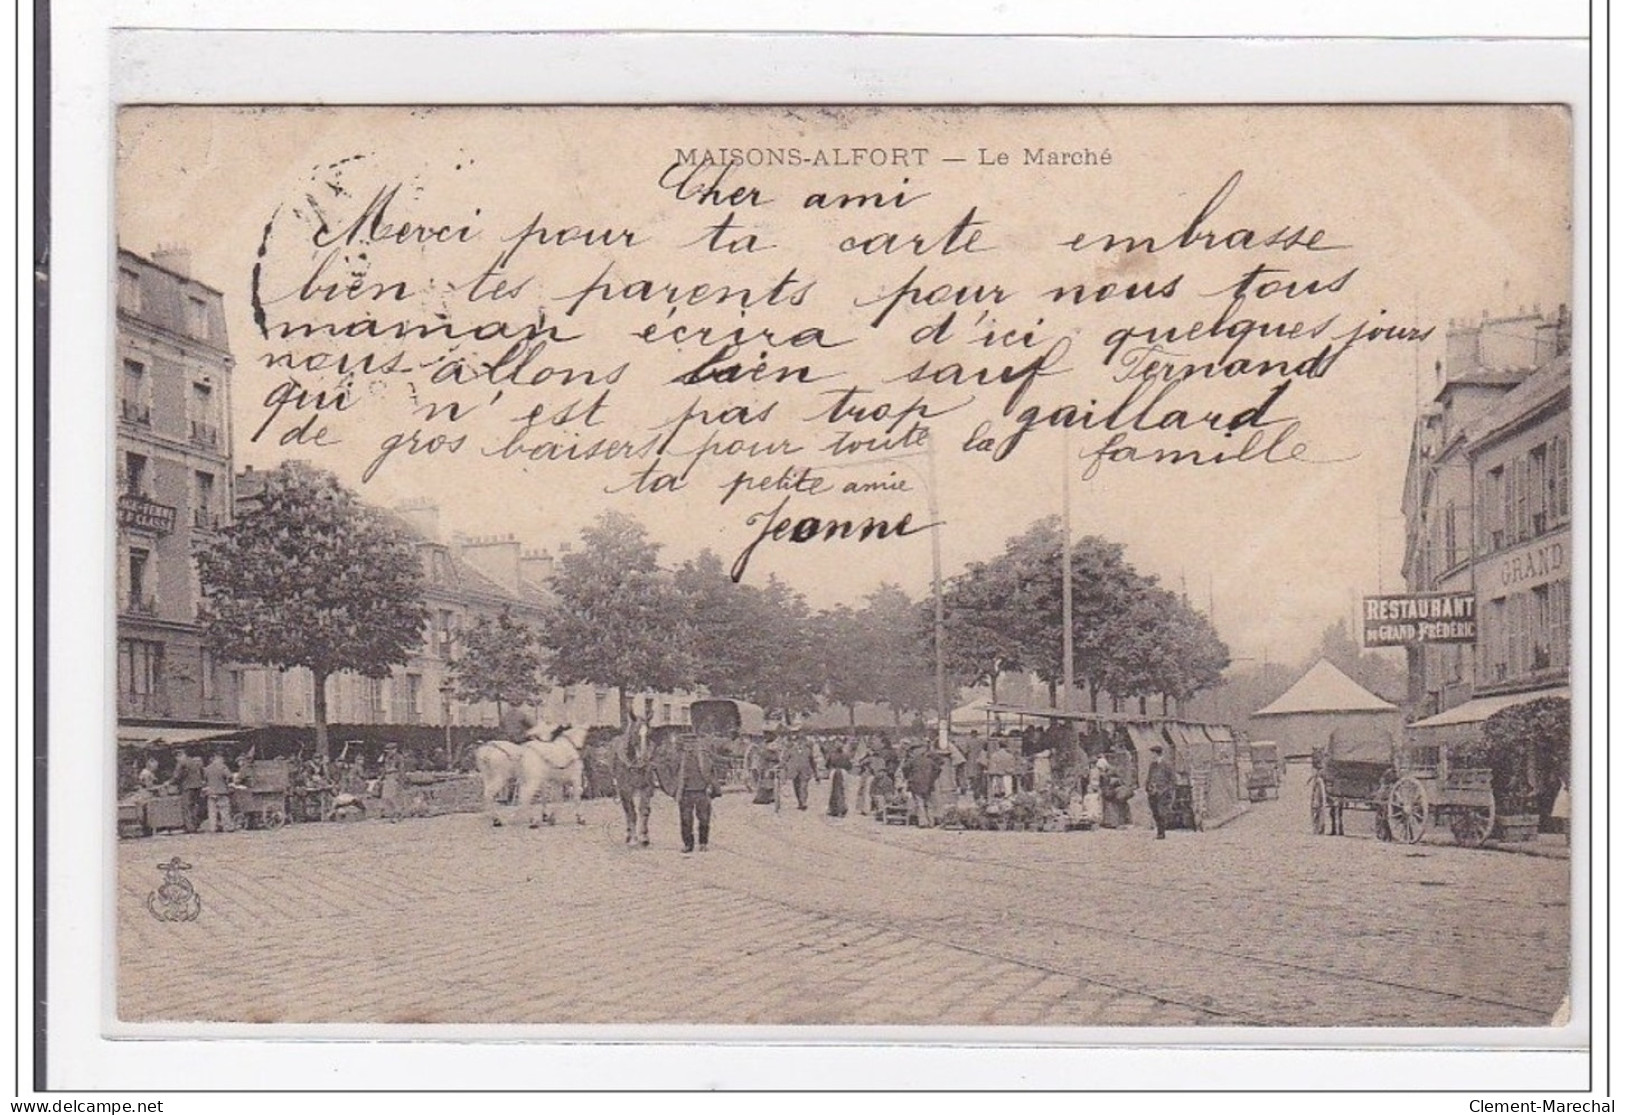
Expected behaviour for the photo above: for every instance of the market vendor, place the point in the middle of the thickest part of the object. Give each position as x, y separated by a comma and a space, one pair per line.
187, 779
1001, 772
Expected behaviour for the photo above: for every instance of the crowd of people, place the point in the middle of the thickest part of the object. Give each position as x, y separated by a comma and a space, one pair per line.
918, 779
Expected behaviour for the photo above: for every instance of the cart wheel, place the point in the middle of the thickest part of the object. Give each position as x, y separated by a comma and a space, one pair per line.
1319, 812
1472, 826
1408, 810
275, 819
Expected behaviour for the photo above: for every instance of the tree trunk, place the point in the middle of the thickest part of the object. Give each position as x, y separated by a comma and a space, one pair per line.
993, 685
318, 681
1142, 704
1094, 697
852, 715
1054, 693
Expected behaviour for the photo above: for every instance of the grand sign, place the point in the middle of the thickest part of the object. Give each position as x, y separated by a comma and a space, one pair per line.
1434, 617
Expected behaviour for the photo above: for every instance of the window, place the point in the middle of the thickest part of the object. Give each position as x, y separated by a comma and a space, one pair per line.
200, 415
414, 696
204, 515
1509, 505
1452, 554
649, 709
1560, 606
138, 588
1497, 508
279, 696
197, 316
135, 474
372, 695
129, 290
1492, 643
135, 398
601, 707
1559, 473
445, 633
665, 713
140, 666
1539, 491
141, 678
206, 678
1540, 628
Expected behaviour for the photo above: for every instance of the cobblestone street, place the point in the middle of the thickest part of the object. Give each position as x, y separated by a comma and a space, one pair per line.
798, 918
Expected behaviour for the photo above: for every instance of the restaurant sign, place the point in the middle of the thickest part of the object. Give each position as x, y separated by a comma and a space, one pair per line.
1434, 617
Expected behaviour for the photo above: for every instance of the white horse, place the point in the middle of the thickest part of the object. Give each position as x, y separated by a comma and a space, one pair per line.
550, 756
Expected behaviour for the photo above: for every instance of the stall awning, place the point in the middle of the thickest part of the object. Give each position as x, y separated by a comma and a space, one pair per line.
141, 735
1482, 708
1145, 736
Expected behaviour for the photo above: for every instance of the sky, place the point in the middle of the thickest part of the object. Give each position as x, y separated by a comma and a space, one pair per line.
1436, 213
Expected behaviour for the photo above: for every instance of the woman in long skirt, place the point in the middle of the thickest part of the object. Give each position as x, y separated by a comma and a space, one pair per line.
839, 763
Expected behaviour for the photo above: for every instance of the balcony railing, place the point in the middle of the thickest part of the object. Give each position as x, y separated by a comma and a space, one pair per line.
205, 519
140, 512
132, 410
407, 715
205, 434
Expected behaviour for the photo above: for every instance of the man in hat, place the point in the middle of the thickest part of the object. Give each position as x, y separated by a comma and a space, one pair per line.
696, 786
1159, 790
799, 769
188, 782
920, 771
217, 789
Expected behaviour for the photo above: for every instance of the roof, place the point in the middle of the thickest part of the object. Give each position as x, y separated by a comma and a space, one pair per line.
1482, 708
1325, 688
1482, 377
1539, 390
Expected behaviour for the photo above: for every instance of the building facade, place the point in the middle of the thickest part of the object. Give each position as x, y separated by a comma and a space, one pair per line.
174, 484
1488, 511
465, 579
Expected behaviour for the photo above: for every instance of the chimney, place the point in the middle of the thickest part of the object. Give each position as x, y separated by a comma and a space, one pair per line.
536, 566
496, 556
173, 257
422, 515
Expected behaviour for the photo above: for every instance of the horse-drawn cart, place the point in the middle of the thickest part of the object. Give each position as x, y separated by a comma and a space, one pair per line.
1263, 771
1408, 792
1429, 790
1353, 772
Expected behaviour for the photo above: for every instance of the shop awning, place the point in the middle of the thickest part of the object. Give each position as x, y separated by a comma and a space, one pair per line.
1482, 708
141, 735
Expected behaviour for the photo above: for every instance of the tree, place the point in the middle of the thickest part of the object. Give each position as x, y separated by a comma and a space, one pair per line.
979, 642
501, 660
618, 619
896, 651
787, 675
843, 649
1526, 747
723, 622
310, 576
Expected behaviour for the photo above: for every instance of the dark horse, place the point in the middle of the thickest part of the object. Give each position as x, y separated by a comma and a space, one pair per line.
641, 760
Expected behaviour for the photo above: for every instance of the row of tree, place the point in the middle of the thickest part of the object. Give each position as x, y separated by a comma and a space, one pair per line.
1132, 638
309, 576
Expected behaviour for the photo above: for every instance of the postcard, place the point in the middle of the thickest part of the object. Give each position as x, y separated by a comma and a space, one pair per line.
845, 566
